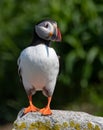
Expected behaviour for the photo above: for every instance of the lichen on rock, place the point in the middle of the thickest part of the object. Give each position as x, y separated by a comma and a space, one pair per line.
59, 120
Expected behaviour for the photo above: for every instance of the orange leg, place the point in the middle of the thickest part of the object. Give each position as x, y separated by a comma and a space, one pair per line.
46, 110
31, 107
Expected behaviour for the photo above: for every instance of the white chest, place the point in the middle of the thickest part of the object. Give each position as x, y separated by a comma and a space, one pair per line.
39, 65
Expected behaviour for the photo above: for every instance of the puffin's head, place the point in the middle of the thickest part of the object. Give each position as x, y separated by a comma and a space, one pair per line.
48, 30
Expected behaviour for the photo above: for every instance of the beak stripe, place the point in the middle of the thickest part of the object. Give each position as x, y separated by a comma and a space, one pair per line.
54, 34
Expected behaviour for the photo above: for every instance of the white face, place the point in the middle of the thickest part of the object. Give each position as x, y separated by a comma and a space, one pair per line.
46, 30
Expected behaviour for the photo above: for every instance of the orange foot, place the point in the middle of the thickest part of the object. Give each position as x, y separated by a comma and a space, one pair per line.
30, 108
45, 111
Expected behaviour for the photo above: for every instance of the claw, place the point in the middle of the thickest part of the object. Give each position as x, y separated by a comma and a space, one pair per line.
31, 107
46, 111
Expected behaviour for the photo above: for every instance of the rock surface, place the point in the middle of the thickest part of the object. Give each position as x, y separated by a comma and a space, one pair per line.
59, 120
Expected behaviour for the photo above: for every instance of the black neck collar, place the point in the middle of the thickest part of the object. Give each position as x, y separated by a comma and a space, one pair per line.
37, 40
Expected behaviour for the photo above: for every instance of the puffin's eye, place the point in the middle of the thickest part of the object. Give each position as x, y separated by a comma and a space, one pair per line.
46, 25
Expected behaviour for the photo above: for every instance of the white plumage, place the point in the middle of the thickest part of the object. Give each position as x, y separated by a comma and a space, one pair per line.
40, 67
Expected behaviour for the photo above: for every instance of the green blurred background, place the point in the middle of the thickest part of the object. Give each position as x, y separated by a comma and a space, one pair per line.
80, 84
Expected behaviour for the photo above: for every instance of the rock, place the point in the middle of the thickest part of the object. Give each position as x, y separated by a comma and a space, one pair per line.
59, 120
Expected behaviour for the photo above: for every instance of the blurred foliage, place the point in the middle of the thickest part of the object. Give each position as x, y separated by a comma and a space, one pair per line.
80, 84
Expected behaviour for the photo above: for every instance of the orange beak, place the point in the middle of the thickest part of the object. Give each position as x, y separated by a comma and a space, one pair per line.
50, 34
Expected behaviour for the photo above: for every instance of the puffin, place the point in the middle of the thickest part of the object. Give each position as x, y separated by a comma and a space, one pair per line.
38, 64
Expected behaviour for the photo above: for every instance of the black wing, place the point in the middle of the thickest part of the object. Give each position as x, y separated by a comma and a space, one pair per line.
19, 69
60, 67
